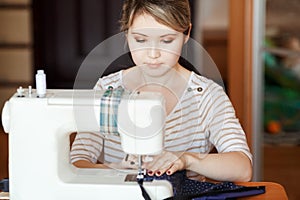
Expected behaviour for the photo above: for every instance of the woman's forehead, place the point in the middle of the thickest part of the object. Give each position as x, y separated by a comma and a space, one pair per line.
145, 23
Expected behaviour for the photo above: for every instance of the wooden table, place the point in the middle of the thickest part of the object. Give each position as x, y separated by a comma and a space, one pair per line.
273, 191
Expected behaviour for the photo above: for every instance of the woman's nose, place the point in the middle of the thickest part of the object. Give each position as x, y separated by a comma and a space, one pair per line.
153, 52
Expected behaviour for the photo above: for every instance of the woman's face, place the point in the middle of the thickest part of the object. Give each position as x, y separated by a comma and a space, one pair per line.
154, 47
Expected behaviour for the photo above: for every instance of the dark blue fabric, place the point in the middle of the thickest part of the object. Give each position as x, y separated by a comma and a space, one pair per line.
234, 194
4, 185
184, 188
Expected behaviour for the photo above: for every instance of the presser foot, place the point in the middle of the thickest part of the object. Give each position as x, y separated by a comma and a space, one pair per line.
136, 177
141, 174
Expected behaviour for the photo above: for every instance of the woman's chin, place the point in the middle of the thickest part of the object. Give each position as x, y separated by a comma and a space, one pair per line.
155, 70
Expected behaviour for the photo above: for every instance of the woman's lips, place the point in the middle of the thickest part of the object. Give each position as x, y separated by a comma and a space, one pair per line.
153, 65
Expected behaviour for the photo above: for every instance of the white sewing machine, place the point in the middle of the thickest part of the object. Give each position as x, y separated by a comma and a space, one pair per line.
39, 144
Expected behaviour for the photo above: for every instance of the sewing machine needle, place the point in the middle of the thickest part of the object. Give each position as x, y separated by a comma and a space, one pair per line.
140, 170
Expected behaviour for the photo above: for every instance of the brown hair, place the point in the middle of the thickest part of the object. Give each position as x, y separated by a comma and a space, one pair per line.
172, 13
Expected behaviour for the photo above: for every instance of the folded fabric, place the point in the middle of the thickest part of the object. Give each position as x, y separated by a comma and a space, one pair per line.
109, 104
187, 189
4, 185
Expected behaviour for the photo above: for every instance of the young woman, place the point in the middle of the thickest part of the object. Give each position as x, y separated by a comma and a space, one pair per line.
199, 114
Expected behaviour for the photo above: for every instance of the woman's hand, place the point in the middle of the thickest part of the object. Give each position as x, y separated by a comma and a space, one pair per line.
166, 162
128, 162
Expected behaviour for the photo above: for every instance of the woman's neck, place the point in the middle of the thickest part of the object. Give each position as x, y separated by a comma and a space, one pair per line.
173, 78
171, 85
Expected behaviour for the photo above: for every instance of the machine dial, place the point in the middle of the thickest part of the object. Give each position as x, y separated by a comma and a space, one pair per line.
5, 117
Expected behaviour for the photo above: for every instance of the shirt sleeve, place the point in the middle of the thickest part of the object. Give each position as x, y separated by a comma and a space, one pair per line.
89, 145
226, 133
86, 146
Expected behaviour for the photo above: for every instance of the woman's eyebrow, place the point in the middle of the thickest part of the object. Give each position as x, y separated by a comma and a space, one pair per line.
169, 34
135, 33
165, 35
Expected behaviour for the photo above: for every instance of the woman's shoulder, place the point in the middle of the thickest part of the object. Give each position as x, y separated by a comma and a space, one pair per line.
204, 83
113, 79
199, 80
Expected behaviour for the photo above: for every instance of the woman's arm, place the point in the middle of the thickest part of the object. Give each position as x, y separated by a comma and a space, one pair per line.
229, 166
129, 162
87, 164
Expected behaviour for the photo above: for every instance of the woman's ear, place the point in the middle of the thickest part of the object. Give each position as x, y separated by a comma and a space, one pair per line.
187, 36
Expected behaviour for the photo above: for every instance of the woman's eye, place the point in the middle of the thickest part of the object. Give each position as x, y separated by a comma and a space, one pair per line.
140, 40
167, 41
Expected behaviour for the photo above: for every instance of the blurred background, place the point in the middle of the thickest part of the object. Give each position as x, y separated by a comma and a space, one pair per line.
57, 35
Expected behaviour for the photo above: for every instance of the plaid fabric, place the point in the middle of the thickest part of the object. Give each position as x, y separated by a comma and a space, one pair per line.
109, 104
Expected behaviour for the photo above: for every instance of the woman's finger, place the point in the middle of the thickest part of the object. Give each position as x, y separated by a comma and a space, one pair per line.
174, 168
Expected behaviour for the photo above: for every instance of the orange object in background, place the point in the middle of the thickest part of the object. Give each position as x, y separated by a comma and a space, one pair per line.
274, 127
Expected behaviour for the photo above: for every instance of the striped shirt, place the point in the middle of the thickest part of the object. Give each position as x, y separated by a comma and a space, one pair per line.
202, 119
